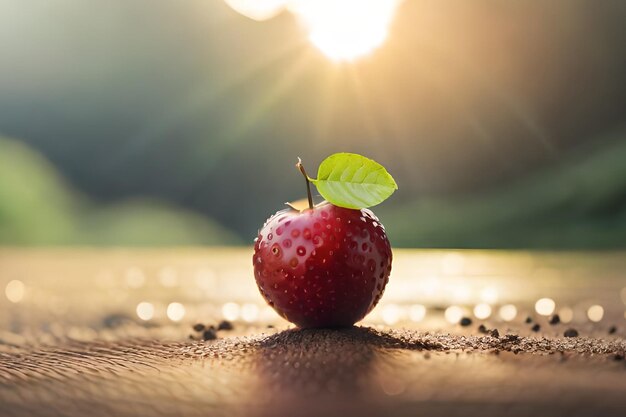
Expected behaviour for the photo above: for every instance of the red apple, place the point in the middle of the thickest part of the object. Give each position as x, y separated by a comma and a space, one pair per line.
325, 266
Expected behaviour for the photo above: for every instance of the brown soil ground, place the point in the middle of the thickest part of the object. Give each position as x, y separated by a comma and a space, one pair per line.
351, 372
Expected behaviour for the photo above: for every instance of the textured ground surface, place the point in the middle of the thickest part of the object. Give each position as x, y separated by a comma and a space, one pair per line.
79, 358
357, 371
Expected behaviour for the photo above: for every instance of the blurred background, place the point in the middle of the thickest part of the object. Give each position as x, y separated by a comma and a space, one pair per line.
160, 122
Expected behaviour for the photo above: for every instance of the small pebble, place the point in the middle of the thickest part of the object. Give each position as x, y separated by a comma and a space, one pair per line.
571, 333
495, 333
511, 337
225, 325
116, 320
529, 319
209, 334
535, 328
465, 321
612, 329
198, 327
555, 319
482, 328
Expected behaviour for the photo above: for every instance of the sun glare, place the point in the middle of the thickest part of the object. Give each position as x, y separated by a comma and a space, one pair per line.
346, 29
342, 29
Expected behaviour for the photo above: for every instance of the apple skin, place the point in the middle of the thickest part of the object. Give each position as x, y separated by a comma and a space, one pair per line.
322, 267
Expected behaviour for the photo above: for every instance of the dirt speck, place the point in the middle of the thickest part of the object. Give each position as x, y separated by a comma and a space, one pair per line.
209, 334
225, 325
511, 337
465, 321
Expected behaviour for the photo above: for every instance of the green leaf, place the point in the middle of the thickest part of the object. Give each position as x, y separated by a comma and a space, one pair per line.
353, 181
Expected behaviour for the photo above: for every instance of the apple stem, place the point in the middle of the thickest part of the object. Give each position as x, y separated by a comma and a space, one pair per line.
308, 184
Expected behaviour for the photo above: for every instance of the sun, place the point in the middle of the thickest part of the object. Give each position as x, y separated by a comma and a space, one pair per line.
345, 29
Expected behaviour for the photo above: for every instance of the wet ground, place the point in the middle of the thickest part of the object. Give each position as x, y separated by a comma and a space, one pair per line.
90, 332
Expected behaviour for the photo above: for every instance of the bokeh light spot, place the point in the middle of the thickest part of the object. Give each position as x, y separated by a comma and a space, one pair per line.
145, 310
175, 311
135, 277
508, 312
230, 311
249, 312
417, 312
15, 291
390, 314
595, 313
545, 306
453, 314
482, 311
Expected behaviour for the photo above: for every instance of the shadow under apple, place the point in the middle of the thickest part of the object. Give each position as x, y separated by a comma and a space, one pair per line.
326, 371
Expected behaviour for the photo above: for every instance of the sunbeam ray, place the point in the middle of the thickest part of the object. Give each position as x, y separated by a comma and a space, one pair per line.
230, 138
201, 98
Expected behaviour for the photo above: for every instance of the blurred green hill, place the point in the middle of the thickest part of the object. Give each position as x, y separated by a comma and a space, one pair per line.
578, 203
38, 208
